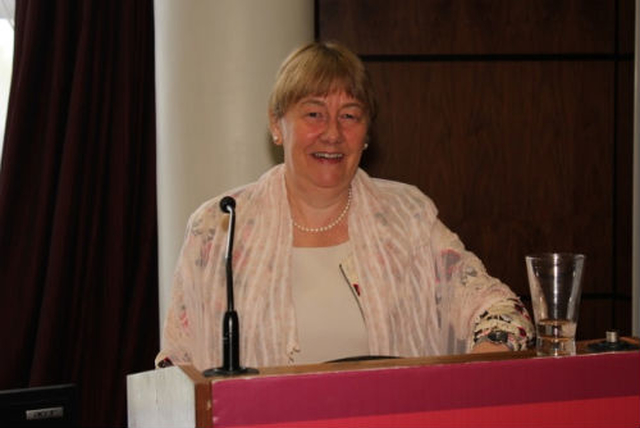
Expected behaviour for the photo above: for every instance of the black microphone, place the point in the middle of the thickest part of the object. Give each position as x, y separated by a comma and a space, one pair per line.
230, 323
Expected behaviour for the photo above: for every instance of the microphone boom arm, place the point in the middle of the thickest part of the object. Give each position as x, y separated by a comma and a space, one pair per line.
230, 208
230, 323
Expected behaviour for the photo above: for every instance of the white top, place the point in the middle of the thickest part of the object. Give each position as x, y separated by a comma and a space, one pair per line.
329, 319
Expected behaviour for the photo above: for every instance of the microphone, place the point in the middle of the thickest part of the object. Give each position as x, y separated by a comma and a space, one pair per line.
230, 323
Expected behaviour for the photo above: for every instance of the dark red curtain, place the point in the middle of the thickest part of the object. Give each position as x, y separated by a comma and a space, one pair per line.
78, 234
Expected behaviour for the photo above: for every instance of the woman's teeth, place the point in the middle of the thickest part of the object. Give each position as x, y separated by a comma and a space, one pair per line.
328, 155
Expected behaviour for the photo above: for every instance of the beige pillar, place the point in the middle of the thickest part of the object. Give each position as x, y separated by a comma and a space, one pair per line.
215, 64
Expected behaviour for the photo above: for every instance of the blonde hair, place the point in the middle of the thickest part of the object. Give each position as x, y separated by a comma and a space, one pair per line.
321, 68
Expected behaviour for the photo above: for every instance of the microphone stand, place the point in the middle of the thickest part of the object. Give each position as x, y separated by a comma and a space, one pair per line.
230, 323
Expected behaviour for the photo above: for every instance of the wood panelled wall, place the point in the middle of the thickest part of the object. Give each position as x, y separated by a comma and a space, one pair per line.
515, 117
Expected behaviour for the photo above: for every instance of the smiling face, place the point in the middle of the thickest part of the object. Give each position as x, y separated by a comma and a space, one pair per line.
323, 137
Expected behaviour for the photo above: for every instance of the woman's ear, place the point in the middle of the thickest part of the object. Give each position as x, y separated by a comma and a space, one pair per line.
274, 128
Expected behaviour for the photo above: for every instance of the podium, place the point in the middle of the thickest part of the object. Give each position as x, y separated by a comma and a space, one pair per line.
511, 389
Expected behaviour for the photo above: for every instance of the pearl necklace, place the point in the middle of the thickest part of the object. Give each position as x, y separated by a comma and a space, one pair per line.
331, 225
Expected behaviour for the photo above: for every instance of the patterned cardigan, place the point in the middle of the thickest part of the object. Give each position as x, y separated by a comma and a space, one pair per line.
420, 291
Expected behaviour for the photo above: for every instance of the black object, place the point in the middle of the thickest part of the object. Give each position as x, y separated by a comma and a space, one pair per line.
611, 344
361, 358
43, 406
230, 324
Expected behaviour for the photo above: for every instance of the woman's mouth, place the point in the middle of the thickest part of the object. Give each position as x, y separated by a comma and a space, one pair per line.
328, 156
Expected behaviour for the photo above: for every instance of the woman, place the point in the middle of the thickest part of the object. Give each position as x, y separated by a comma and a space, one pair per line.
329, 262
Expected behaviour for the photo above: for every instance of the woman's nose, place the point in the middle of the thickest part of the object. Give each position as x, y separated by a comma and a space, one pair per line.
332, 132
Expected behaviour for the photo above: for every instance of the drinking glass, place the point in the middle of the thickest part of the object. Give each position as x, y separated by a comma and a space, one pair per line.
555, 281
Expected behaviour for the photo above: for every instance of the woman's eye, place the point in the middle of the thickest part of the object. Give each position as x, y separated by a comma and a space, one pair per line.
351, 117
314, 114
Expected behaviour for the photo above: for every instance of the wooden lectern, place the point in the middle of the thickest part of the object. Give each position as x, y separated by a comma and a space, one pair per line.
514, 389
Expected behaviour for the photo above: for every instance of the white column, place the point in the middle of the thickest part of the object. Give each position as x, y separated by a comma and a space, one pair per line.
215, 64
